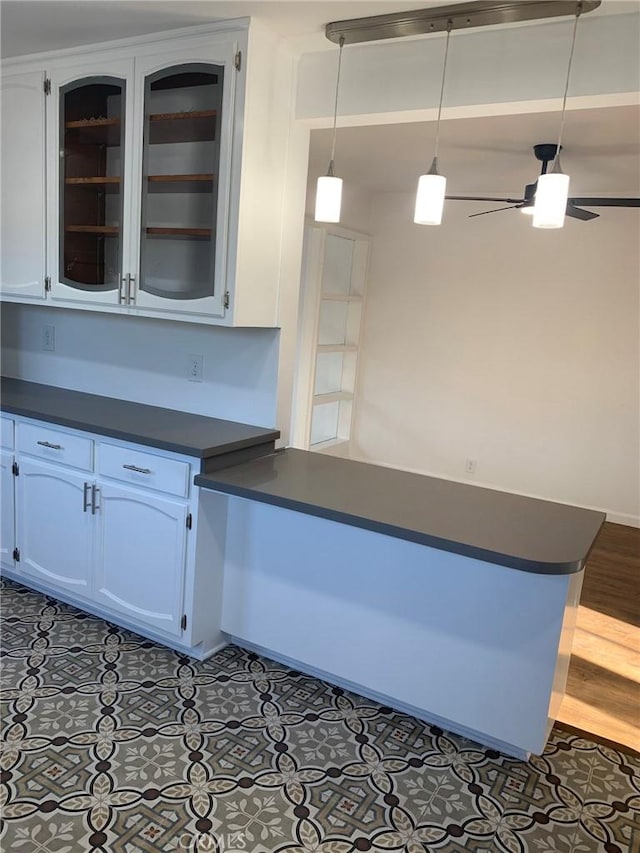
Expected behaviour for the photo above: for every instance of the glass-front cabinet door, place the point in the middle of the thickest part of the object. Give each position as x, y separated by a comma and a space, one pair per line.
179, 181
184, 177
91, 137
88, 112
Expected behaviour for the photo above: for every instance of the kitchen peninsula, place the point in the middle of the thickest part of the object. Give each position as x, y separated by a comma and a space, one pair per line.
454, 603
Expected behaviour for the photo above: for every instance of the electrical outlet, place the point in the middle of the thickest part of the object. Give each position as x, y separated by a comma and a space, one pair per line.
195, 367
470, 466
49, 338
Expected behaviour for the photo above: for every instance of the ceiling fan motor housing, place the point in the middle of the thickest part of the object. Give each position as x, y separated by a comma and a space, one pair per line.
546, 151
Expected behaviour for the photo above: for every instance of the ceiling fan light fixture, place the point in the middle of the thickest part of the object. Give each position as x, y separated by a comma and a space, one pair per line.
551, 200
329, 187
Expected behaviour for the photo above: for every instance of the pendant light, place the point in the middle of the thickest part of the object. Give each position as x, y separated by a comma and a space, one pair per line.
329, 188
553, 188
432, 186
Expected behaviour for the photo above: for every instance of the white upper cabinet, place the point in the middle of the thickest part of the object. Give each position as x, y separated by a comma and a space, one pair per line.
166, 160
22, 260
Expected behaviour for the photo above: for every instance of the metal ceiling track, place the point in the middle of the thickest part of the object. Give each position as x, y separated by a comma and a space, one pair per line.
461, 16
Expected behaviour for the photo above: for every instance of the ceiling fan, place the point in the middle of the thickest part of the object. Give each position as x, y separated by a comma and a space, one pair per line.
546, 153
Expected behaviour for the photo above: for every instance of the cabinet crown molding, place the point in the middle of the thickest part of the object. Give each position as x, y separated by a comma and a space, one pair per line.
37, 60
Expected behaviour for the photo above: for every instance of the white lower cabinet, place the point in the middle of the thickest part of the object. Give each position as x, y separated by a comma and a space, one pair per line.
7, 531
55, 527
140, 556
114, 528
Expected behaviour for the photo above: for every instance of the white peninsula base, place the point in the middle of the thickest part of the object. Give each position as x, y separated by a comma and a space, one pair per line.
480, 649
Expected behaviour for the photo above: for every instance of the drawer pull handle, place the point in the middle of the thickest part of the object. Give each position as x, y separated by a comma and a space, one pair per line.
138, 470
48, 444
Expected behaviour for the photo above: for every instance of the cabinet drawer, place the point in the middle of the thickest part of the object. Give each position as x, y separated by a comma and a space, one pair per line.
47, 443
6, 433
131, 465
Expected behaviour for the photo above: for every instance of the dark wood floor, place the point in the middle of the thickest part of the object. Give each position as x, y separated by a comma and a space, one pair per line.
603, 690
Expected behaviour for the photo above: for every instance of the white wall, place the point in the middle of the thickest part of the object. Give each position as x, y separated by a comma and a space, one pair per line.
490, 340
146, 360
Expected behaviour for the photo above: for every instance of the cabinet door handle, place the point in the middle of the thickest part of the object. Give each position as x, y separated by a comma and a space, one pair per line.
138, 470
85, 497
123, 291
131, 291
95, 491
48, 444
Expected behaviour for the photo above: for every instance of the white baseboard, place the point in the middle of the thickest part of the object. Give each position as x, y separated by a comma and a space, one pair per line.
623, 518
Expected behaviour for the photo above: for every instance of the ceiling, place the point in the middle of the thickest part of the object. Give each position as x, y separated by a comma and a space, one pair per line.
30, 26
489, 155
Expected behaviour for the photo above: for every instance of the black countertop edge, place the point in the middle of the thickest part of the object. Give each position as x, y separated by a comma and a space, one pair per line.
136, 438
172, 430
557, 536
208, 481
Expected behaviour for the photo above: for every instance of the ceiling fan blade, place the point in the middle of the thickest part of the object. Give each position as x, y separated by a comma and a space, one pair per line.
484, 198
495, 210
579, 213
606, 202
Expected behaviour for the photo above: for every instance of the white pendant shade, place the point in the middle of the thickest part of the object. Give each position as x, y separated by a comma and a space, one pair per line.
551, 200
328, 199
430, 200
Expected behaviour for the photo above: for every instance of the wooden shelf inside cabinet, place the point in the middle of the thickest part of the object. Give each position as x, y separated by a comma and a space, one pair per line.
179, 232
107, 230
196, 126
333, 397
94, 131
87, 182
181, 183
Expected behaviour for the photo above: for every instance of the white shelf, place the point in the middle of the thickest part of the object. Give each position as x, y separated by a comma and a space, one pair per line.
334, 397
337, 348
341, 297
334, 279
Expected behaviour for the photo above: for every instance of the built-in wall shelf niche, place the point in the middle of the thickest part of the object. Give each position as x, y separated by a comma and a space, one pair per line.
332, 303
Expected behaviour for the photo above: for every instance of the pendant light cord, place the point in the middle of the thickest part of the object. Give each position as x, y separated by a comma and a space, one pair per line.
335, 110
444, 74
566, 86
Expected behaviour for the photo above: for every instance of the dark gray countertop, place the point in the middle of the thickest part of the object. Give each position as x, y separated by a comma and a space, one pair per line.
179, 432
496, 527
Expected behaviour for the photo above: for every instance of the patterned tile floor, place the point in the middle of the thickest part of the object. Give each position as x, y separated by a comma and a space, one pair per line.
112, 743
